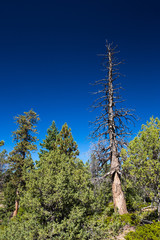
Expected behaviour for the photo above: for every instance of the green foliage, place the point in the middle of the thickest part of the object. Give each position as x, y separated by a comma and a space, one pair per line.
10, 196
21, 228
105, 225
65, 142
57, 186
102, 195
102, 186
3, 156
131, 219
146, 232
49, 142
58, 192
1, 143
73, 227
23, 135
141, 162
134, 199
19, 162
58, 199
19, 159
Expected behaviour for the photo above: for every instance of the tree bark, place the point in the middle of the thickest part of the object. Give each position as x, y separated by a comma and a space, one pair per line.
118, 195
16, 206
110, 125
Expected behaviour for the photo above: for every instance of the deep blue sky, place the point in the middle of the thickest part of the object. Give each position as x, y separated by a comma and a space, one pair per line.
48, 57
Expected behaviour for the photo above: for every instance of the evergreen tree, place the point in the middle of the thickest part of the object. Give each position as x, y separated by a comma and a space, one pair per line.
58, 197
19, 159
2, 157
141, 164
102, 186
65, 142
1, 143
49, 142
7, 189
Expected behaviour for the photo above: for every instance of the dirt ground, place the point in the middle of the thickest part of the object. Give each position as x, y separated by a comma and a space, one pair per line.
125, 230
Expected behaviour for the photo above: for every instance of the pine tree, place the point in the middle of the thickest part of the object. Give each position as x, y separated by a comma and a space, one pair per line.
109, 126
49, 142
1, 143
19, 159
141, 165
65, 142
58, 196
2, 154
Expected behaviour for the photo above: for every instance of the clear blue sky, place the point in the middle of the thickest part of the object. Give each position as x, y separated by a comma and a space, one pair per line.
48, 57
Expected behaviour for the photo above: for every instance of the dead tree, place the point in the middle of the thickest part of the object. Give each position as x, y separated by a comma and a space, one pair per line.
110, 126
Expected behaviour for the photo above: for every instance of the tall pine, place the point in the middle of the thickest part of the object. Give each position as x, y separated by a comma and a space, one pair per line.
65, 142
19, 159
48, 143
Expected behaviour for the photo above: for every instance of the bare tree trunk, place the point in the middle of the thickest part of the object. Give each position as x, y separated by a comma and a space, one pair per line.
111, 125
16, 206
118, 195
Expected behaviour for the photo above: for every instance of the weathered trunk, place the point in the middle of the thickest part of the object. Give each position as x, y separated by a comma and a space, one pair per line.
16, 206
118, 195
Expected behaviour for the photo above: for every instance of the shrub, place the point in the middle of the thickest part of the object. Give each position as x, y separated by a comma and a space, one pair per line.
146, 232
130, 218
